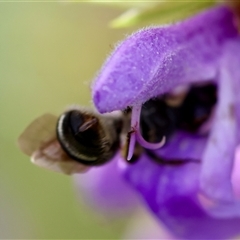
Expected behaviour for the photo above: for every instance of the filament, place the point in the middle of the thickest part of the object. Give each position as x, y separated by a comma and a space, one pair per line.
135, 134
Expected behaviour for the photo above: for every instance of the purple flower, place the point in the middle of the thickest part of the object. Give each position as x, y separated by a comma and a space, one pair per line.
197, 199
104, 189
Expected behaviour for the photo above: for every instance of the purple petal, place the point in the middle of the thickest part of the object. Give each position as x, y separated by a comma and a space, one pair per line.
154, 60
233, 66
172, 194
224, 137
183, 145
236, 174
104, 188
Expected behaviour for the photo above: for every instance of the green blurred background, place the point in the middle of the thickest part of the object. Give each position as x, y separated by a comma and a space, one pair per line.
49, 54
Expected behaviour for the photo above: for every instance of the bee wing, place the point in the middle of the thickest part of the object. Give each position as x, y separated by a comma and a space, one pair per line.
53, 158
39, 141
41, 130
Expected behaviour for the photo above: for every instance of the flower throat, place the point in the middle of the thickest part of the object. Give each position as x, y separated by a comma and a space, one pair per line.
189, 110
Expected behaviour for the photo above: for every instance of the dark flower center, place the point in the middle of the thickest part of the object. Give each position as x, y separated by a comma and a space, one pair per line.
187, 110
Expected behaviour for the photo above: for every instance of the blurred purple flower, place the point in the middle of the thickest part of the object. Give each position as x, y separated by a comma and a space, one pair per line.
104, 189
194, 200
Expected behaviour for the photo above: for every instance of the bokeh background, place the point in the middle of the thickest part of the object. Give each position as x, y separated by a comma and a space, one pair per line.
49, 53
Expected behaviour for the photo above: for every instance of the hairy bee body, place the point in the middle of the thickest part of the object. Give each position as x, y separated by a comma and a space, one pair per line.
87, 137
74, 141
80, 137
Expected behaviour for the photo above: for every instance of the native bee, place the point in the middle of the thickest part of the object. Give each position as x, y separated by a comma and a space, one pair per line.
80, 137
72, 142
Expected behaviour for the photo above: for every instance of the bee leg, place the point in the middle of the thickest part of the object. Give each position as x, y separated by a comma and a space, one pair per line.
88, 124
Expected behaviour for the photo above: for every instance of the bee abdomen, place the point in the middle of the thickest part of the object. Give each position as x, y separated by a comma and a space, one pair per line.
85, 139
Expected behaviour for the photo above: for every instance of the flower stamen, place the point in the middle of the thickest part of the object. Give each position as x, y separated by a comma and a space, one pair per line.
131, 144
148, 145
135, 134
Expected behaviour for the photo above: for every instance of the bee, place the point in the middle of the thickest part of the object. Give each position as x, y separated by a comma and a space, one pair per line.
80, 137
74, 141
